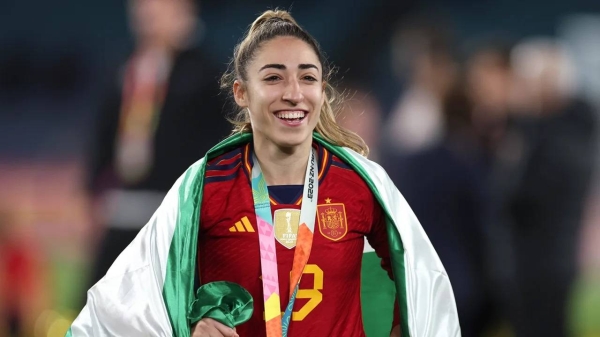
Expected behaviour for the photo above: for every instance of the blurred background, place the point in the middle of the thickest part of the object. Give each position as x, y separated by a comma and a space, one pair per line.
484, 113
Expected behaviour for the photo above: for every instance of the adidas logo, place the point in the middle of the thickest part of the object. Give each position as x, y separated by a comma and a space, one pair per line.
241, 226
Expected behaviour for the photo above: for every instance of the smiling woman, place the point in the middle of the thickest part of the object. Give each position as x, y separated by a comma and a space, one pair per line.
290, 59
268, 230
282, 95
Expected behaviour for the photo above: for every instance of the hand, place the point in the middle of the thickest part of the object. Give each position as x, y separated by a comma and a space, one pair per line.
208, 327
396, 332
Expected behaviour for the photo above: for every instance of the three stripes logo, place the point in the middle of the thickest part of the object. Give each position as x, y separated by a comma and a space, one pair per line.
242, 226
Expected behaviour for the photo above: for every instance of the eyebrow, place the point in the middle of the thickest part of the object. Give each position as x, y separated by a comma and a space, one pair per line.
283, 67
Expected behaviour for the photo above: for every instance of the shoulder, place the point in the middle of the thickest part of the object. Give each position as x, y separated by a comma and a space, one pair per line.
337, 162
370, 174
226, 166
343, 172
363, 166
356, 191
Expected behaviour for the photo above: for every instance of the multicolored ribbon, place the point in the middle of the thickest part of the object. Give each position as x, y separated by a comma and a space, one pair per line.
277, 326
143, 95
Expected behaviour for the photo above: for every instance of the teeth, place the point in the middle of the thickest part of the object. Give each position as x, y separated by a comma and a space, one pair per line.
290, 114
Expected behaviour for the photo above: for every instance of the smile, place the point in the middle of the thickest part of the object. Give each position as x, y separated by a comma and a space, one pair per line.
293, 116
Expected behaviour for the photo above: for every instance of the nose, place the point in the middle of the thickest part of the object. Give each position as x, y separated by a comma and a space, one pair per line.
293, 92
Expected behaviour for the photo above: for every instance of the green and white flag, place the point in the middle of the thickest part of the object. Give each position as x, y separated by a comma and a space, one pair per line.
149, 289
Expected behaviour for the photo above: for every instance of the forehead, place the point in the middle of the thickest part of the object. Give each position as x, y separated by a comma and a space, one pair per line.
145, 5
286, 50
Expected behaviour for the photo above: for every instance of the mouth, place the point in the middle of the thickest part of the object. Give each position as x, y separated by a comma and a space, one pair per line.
291, 117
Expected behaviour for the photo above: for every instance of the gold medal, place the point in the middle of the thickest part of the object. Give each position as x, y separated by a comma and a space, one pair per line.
286, 222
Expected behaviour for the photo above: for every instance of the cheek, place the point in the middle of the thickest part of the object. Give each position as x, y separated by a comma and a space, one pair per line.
317, 107
316, 97
258, 105
260, 100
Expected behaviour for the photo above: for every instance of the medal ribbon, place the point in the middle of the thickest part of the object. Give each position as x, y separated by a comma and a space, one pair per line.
277, 326
143, 94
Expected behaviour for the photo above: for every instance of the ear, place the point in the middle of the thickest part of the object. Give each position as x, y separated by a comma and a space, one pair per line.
323, 97
240, 94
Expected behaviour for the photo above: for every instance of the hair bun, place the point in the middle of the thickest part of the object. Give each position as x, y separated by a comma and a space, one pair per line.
272, 16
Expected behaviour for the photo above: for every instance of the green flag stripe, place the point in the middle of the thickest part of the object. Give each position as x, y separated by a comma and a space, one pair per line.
178, 290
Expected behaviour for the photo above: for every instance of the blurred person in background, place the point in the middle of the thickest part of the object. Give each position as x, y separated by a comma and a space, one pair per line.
19, 277
489, 86
422, 55
361, 113
160, 114
433, 159
541, 172
445, 187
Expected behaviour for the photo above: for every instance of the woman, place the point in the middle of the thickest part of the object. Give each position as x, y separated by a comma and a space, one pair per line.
148, 128
288, 166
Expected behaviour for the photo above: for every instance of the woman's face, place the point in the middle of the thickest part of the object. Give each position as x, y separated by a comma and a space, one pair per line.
489, 82
165, 22
283, 91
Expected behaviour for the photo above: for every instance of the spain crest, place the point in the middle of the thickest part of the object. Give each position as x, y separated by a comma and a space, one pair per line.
332, 220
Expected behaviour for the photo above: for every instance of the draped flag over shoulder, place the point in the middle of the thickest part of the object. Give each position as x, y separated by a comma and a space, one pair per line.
149, 289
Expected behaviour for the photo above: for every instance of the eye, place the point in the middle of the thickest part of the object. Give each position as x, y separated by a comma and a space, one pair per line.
271, 78
309, 78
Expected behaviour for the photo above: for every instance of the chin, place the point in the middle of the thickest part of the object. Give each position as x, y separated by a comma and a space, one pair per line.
290, 140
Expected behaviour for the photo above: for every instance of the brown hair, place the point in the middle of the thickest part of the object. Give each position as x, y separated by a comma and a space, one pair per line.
269, 25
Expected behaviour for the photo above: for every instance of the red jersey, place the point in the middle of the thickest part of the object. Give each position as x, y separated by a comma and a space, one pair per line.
328, 301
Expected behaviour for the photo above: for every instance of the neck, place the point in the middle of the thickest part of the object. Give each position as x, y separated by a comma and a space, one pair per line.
282, 165
154, 46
